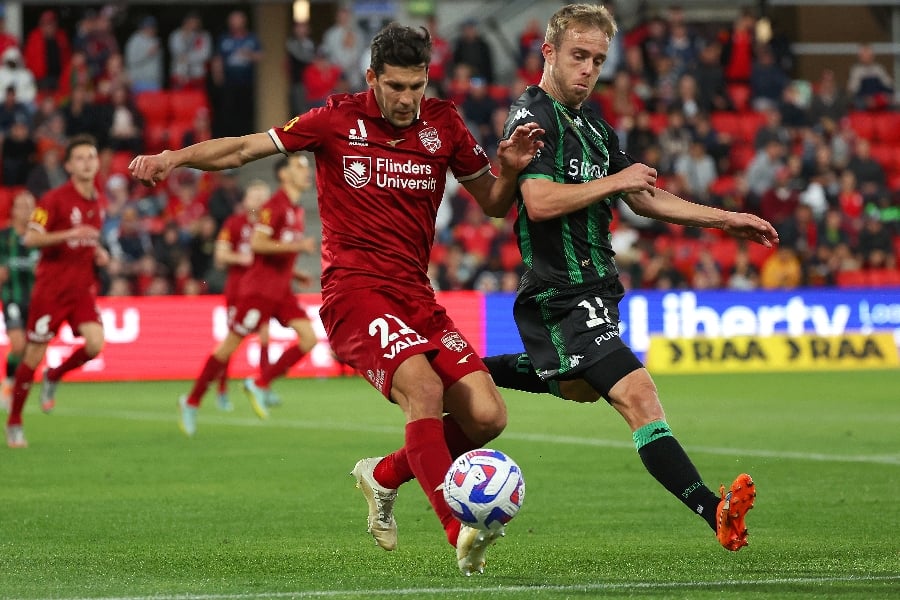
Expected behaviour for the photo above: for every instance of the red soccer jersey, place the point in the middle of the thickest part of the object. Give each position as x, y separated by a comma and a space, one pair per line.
236, 232
69, 265
270, 275
379, 187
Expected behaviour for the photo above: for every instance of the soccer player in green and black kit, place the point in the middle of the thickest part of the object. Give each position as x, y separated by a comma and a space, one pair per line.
17, 265
567, 304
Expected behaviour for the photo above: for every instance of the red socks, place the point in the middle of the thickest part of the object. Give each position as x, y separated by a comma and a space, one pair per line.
287, 360
21, 387
75, 360
211, 371
429, 461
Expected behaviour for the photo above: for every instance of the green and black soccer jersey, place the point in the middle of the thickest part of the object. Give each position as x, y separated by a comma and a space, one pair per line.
579, 146
20, 263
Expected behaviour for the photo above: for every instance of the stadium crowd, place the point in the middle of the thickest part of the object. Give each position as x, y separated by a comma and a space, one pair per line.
716, 111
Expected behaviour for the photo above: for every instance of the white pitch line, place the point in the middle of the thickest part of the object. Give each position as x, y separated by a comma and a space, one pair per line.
514, 589
881, 459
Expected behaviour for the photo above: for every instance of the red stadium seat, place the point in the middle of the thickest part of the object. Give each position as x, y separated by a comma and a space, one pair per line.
888, 156
855, 278
154, 106
886, 127
658, 122
120, 162
724, 252
184, 104
884, 277
741, 155
751, 122
862, 123
728, 123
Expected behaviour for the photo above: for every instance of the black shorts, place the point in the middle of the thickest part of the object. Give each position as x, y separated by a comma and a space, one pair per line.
15, 315
566, 332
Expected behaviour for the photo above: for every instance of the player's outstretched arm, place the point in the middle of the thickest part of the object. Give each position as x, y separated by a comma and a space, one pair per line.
666, 206
212, 155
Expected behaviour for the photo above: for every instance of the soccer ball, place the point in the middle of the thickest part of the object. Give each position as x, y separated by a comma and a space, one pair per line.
484, 488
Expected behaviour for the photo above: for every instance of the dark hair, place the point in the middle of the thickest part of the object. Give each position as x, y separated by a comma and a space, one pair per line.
82, 139
400, 46
280, 163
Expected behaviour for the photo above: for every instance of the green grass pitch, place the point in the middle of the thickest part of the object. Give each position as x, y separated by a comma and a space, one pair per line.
112, 501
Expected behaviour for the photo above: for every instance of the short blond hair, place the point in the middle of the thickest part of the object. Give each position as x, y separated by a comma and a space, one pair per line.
592, 16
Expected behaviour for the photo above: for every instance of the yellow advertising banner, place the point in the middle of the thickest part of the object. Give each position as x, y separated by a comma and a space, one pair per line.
772, 353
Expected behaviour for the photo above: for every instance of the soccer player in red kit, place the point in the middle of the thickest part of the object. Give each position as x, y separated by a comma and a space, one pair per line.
265, 292
382, 158
66, 227
234, 255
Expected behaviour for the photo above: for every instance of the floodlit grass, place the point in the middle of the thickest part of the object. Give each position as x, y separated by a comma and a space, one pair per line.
112, 501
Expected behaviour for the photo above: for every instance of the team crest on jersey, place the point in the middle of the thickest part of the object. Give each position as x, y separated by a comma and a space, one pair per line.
75, 216
430, 139
357, 170
453, 341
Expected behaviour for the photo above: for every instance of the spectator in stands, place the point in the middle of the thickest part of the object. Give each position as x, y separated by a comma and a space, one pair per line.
144, 57
478, 108
638, 136
687, 98
51, 133
17, 154
762, 170
615, 56
743, 275
201, 128
682, 48
234, 72
780, 201
48, 173
665, 87
301, 52
184, 204
772, 129
190, 49
11, 110
640, 74
618, 101
441, 57
470, 48
661, 273
113, 76
124, 122
476, 234
738, 48
767, 80
130, 241
707, 272
76, 74
531, 38
96, 39
82, 116
653, 43
7, 39
47, 51
781, 270
456, 270
170, 251
344, 44
117, 198
800, 232
697, 171
16, 75
869, 173
875, 245
828, 100
716, 144
868, 82
674, 140
834, 229
794, 115
710, 78
530, 71
321, 79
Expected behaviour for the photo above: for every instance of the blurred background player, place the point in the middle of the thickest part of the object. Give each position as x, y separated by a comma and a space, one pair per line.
17, 264
66, 227
265, 292
233, 254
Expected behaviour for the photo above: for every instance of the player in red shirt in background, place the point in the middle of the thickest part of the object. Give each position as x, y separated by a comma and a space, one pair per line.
265, 292
66, 227
382, 160
233, 254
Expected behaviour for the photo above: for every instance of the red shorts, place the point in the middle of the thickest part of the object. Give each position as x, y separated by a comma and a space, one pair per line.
375, 329
47, 312
251, 311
